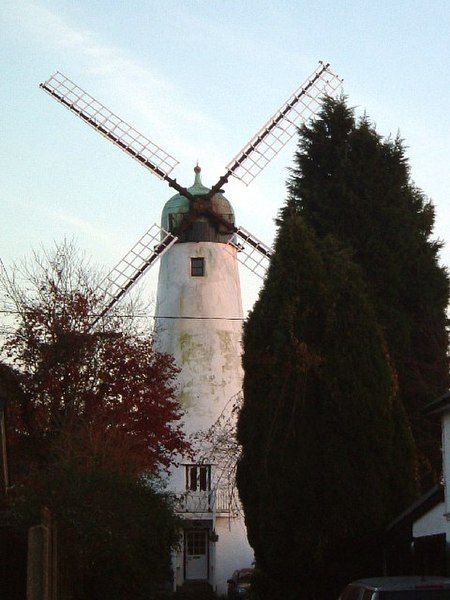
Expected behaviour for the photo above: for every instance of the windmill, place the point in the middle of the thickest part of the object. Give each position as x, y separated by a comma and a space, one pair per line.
199, 311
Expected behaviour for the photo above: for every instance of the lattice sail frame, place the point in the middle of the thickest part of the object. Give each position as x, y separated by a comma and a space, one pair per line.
153, 244
282, 126
123, 135
251, 252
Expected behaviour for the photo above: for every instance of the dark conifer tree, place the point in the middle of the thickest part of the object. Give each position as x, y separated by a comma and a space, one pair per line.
327, 454
351, 184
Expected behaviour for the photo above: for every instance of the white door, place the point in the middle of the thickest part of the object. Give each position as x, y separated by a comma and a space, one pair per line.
196, 553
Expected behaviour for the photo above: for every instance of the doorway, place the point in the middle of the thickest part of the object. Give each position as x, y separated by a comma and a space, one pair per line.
196, 554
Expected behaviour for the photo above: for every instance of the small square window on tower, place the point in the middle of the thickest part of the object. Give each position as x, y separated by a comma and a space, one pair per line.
197, 267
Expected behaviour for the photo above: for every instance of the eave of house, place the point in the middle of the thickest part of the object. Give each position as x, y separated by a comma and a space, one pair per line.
438, 406
416, 510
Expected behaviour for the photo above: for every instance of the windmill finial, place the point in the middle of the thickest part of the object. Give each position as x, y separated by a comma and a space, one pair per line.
197, 171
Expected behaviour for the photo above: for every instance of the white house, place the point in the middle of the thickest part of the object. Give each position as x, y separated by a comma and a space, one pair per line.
418, 541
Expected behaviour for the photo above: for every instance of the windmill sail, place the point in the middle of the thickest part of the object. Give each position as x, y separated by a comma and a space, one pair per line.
251, 252
120, 133
304, 103
153, 244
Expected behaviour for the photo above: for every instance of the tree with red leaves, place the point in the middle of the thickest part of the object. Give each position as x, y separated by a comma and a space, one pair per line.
92, 421
102, 398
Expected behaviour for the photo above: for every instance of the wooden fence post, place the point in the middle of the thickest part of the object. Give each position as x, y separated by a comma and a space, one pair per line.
42, 563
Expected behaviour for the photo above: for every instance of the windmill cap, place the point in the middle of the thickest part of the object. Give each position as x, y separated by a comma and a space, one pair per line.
180, 204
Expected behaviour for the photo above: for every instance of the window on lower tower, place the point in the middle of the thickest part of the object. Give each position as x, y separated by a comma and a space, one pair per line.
198, 478
197, 267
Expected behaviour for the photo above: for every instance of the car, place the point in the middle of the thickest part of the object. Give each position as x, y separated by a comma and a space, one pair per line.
239, 584
398, 588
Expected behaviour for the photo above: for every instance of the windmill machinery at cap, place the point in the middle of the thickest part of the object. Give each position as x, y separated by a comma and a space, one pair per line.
303, 104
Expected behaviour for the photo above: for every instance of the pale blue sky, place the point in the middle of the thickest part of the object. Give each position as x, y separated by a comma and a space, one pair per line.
199, 78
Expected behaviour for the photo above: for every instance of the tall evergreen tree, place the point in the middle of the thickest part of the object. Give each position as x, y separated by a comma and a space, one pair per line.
351, 184
327, 455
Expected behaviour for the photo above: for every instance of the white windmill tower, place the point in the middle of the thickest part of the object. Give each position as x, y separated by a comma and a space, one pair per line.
199, 310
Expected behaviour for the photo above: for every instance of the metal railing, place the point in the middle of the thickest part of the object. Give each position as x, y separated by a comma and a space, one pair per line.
204, 501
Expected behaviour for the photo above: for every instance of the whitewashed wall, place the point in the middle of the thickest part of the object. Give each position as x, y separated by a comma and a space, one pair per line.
432, 523
436, 520
446, 458
232, 550
208, 352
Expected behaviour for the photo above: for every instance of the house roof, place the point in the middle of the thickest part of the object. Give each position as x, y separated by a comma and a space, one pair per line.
439, 405
420, 507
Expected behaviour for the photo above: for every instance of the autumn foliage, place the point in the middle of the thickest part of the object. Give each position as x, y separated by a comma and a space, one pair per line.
98, 398
92, 421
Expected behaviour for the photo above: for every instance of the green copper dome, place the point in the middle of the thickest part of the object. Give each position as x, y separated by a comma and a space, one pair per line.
179, 205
